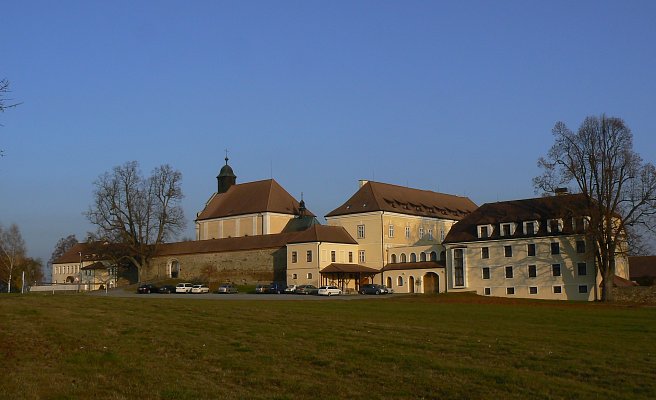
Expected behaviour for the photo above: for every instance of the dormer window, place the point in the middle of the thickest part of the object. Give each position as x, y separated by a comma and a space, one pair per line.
554, 225
580, 224
507, 229
484, 231
530, 227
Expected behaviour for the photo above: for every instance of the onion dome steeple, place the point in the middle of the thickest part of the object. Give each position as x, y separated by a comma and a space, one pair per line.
226, 177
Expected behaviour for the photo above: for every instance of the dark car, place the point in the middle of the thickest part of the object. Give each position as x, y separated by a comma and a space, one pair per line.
167, 289
147, 288
277, 287
373, 289
306, 289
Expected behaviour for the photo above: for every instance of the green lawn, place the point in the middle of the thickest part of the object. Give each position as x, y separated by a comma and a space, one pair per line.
449, 346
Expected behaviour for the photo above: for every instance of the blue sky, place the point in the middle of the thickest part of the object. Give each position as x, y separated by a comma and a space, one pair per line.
458, 97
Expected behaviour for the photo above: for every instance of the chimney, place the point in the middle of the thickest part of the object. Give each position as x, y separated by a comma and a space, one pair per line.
561, 191
362, 182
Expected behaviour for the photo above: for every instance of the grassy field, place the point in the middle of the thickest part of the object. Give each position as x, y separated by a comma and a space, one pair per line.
449, 346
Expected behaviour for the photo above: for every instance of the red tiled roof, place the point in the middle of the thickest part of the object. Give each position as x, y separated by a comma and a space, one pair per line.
518, 211
621, 282
324, 233
413, 265
250, 198
94, 266
348, 268
376, 196
88, 251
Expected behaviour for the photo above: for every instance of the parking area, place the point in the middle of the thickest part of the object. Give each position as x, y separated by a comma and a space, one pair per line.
237, 296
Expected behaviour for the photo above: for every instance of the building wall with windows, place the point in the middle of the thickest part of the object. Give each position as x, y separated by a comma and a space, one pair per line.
532, 248
306, 260
544, 268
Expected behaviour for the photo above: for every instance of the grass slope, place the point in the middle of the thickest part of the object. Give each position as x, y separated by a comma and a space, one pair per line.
80, 346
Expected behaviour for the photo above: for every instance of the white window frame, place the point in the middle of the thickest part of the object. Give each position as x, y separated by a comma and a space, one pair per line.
487, 291
407, 232
479, 230
511, 231
361, 231
533, 287
489, 273
509, 289
560, 287
362, 256
390, 232
536, 227
559, 224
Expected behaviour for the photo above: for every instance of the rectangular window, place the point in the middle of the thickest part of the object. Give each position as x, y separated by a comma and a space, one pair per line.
507, 251
430, 234
530, 248
333, 256
294, 256
485, 252
459, 267
554, 225
529, 228
532, 290
442, 235
309, 256
583, 288
555, 248
557, 289
350, 256
505, 229
360, 231
509, 272
390, 233
532, 271
582, 269
361, 256
487, 291
510, 290
484, 232
407, 232
486, 272
294, 276
580, 246
555, 269
421, 233
309, 275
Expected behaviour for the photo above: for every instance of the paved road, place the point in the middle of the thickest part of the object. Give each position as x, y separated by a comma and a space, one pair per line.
236, 296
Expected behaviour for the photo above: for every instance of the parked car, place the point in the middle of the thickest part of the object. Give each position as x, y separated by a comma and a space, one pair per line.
389, 289
277, 287
184, 287
227, 288
373, 288
200, 289
167, 289
329, 291
306, 289
261, 288
147, 288
290, 289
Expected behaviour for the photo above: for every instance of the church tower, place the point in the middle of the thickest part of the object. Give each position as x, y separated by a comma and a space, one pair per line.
226, 177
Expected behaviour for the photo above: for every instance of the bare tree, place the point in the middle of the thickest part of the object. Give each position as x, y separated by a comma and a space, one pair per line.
599, 161
63, 245
12, 251
136, 213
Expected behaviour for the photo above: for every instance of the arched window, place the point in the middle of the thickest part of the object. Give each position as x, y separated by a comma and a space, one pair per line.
422, 256
393, 258
389, 281
413, 257
433, 256
399, 281
403, 258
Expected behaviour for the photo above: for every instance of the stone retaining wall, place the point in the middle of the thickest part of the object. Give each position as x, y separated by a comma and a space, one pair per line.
635, 294
241, 267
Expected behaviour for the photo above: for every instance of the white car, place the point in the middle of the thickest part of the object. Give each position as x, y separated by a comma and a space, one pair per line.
183, 288
200, 289
290, 289
329, 291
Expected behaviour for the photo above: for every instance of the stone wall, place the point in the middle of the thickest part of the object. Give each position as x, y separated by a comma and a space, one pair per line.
240, 267
635, 294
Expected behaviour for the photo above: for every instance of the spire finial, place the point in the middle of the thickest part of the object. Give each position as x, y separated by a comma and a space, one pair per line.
226, 157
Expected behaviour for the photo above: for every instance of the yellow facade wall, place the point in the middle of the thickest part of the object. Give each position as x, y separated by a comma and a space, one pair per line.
242, 225
297, 271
